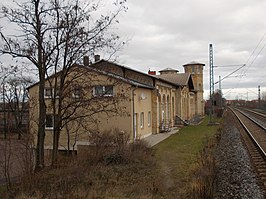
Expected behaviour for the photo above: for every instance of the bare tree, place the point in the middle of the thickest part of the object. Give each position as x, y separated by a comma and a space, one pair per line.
17, 104
6, 73
79, 105
54, 35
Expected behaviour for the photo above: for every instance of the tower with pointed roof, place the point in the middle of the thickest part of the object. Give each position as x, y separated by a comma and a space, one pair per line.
196, 71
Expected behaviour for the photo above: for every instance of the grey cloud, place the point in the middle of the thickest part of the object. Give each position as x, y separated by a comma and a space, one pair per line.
171, 33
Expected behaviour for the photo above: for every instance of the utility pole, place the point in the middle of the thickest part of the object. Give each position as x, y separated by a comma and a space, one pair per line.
211, 83
220, 90
259, 95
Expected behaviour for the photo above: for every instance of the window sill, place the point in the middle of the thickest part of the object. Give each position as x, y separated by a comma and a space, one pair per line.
49, 128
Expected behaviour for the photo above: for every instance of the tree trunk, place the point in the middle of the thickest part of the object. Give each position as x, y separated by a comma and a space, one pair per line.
55, 147
39, 164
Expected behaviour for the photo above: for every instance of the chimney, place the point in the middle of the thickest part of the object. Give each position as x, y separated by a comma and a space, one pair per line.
151, 72
86, 61
97, 58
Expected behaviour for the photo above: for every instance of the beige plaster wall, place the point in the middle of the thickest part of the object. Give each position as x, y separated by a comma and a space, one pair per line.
79, 130
143, 104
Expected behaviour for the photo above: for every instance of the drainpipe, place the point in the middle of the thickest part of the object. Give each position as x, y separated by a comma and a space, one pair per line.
134, 120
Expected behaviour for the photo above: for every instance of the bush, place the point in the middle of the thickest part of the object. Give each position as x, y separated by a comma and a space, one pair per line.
110, 167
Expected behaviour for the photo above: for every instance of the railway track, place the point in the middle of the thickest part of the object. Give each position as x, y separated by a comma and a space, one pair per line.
259, 116
254, 136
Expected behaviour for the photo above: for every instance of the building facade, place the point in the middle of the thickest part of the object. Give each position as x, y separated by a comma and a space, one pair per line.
104, 95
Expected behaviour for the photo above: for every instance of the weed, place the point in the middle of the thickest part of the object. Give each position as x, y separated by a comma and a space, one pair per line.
203, 177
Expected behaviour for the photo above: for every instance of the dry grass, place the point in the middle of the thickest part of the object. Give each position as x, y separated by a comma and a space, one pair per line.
116, 170
203, 173
112, 168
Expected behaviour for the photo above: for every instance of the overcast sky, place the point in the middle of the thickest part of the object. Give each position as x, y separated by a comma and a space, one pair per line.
171, 33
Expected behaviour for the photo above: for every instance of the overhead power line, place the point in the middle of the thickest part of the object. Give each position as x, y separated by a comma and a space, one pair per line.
254, 59
228, 65
249, 65
230, 73
262, 38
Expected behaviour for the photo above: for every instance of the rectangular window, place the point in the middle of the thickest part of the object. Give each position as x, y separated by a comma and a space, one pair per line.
142, 120
48, 92
192, 70
149, 118
104, 91
109, 90
56, 92
77, 92
49, 121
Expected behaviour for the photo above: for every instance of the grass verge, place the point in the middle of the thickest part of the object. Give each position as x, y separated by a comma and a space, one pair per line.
178, 156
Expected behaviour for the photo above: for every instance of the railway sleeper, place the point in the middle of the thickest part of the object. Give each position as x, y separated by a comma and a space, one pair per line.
257, 158
262, 176
258, 162
260, 170
255, 152
261, 166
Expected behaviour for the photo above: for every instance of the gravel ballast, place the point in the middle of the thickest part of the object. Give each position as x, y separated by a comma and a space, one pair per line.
235, 175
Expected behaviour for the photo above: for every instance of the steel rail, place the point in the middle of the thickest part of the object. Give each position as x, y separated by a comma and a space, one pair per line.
253, 120
257, 113
261, 150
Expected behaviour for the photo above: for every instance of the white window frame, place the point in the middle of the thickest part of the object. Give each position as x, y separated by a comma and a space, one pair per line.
149, 118
52, 118
46, 92
141, 120
104, 94
53, 121
52, 91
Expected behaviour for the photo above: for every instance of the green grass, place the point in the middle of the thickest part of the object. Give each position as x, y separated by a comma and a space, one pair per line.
178, 155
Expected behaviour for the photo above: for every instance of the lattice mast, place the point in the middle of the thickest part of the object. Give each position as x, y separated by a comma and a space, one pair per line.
211, 71
211, 81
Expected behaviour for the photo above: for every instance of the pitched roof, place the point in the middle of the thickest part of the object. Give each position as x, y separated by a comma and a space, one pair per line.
194, 63
168, 69
132, 82
129, 81
146, 74
181, 79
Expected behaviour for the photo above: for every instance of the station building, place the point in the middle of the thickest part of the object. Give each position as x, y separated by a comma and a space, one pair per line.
105, 95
